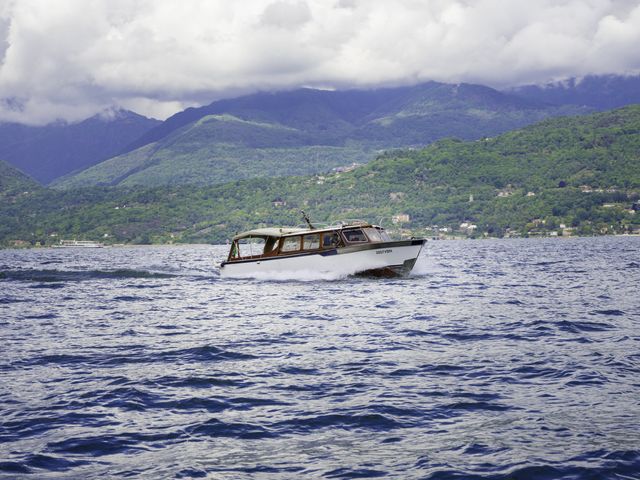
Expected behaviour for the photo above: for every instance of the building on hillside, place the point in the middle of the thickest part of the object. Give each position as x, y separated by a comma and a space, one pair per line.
400, 218
506, 191
468, 227
346, 168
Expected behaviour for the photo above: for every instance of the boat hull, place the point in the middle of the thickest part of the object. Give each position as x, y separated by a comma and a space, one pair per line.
378, 259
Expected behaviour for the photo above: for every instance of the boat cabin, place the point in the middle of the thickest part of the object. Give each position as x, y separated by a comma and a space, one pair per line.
274, 242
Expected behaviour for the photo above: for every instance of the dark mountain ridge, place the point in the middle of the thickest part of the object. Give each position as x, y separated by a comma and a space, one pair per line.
50, 151
327, 113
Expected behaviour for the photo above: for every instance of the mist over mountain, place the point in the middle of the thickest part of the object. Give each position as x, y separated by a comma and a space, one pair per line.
50, 151
601, 92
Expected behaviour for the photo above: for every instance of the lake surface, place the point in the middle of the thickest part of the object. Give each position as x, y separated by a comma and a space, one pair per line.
505, 359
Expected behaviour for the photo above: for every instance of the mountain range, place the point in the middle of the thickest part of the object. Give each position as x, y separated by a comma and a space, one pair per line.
50, 151
295, 132
309, 131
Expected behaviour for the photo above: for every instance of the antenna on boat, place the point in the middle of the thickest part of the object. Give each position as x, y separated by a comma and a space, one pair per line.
306, 219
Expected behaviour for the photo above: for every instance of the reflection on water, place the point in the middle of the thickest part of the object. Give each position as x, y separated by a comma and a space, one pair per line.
496, 359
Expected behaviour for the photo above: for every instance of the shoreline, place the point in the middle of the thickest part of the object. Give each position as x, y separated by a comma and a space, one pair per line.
429, 239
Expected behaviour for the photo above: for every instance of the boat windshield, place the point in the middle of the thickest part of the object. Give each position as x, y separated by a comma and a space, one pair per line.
354, 236
248, 247
377, 235
373, 234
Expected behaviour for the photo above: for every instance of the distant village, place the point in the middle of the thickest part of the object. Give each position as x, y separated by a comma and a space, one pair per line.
537, 227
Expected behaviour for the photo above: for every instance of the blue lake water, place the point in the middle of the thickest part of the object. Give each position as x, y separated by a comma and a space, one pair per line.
505, 359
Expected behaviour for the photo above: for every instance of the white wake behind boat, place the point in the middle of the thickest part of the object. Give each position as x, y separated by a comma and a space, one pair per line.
349, 248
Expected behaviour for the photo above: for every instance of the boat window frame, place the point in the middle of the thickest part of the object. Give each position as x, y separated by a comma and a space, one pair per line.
248, 241
318, 244
284, 241
357, 242
332, 235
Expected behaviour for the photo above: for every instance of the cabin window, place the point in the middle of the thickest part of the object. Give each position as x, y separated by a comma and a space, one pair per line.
373, 234
311, 242
330, 240
248, 247
291, 244
354, 236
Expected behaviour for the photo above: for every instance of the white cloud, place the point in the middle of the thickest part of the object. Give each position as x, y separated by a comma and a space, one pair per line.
286, 15
72, 58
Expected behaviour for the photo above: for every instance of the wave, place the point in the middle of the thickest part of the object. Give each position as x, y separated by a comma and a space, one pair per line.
611, 312
364, 421
583, 326
355, 473
206, 353
53, 275
41, 462
10, 300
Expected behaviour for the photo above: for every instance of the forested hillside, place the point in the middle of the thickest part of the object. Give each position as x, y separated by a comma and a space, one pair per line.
574, 175
14, 182
308, 131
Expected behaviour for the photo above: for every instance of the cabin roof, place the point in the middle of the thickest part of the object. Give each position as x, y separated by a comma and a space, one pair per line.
283, 231
269, 232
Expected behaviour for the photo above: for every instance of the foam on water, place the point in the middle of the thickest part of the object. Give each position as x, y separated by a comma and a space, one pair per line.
422, 266
292, 275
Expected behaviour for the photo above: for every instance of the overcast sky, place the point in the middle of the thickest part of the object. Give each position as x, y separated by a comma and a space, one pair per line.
69, 59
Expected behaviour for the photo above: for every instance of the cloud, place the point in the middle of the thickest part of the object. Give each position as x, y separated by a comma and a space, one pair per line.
159, 56
286, 15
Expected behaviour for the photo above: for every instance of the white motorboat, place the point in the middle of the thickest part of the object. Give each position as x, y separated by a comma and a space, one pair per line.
347, 248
